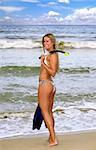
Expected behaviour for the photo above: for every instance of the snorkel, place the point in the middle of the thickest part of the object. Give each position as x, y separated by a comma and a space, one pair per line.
60, 47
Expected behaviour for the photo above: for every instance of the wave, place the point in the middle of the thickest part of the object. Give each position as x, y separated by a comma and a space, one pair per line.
81, 35
19, 70
1, 30
31, 71
83, 106
81, 44
78, 70
84, 44
18, 43
5, 115
29, 43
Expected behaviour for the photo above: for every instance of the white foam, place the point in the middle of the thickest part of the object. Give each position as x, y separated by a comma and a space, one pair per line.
28, 43
18, 43
83, 44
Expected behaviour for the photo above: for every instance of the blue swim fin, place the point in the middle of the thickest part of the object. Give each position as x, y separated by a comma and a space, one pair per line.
38, 118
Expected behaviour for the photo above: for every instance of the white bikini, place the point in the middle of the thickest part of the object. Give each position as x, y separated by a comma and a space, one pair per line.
45, 60
41, 82
46, 55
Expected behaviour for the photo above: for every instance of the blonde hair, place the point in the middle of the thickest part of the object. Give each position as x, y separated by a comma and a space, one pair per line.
52, 38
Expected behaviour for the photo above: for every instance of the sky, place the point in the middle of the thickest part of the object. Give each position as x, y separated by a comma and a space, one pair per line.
48, 12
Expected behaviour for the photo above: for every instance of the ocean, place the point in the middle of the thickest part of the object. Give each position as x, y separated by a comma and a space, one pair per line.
75, 100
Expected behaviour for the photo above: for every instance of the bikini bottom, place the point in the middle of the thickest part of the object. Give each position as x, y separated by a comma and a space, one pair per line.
42, 82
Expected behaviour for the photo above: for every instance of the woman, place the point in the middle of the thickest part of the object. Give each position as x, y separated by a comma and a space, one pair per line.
46, 89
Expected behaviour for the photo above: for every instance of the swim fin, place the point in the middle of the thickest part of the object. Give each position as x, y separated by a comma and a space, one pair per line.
38, 118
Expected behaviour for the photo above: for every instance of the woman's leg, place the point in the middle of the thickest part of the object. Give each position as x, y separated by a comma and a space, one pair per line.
44, 93
51, 106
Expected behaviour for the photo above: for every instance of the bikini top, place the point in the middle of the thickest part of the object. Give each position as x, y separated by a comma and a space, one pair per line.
45, 60
46, 55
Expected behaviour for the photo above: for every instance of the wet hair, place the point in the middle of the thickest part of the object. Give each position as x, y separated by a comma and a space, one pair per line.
52, 38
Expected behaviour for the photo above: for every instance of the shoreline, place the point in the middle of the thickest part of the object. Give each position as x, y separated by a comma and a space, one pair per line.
43, 134
82, 140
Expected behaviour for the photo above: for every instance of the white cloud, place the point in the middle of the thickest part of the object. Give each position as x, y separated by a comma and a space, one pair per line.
7, 18
79, 16
61, 19
52, 3
51, 17
49, 4
85, 15
64, 1
30, 1
85, 12
10, 8
53, 13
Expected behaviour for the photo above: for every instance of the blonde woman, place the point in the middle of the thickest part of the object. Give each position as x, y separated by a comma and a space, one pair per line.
46, 89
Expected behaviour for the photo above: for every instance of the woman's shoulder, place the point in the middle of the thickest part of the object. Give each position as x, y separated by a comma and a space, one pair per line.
54, 58
54, 55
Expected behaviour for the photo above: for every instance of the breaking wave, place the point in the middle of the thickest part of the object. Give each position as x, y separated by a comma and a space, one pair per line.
29, 43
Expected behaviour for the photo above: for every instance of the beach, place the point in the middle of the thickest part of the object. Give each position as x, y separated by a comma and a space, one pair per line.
69, 141
75, 100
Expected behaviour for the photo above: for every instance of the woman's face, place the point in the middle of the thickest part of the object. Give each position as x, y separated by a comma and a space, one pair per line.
48, 44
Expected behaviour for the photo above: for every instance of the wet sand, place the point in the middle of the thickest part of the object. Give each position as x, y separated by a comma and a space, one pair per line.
68, 141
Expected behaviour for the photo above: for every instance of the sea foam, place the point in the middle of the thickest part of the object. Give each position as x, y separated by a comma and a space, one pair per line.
28, 44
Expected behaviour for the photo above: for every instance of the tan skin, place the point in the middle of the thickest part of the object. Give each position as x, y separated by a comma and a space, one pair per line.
45, 91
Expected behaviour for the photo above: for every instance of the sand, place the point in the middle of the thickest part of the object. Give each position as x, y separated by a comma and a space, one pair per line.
68, 141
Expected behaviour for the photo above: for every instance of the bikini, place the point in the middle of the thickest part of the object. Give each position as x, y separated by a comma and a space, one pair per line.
42, 82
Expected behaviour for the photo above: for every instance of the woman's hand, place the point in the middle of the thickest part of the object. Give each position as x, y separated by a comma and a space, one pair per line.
42, 59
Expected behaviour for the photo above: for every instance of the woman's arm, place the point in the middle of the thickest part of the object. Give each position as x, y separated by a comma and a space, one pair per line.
54, 63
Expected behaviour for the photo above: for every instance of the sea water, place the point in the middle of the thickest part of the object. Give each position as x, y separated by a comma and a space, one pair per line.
75, 100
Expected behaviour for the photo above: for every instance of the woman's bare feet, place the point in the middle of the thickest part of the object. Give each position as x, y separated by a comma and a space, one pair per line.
53, 143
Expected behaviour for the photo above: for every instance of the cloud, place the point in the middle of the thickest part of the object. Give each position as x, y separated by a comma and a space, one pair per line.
79, 16
10, 8
52, 3
64, 1
85, 12
30, 1
85, 15
49, 4
48, 18
53, 13
7, 18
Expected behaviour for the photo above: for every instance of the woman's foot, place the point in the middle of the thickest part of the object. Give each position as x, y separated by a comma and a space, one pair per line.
53, 143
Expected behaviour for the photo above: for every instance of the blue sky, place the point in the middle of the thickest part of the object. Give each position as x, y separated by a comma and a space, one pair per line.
48, 12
